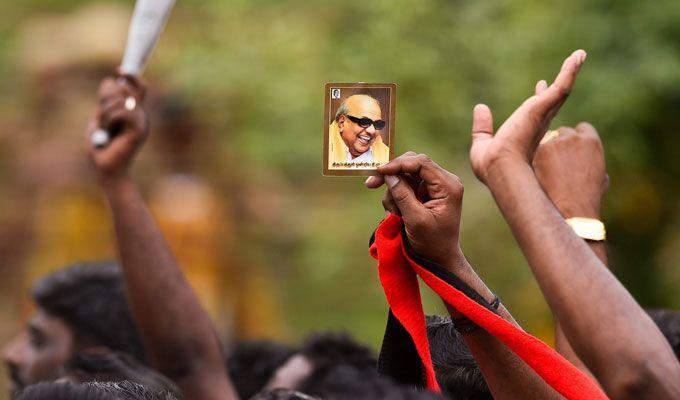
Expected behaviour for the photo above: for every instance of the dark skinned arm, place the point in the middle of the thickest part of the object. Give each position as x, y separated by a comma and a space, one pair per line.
571, 170
606, 327
177, 331
431, 215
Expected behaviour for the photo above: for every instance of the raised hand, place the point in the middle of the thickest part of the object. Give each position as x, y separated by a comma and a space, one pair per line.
591, 305
177, 331
571, 169
521, 133
429, 199
119, 111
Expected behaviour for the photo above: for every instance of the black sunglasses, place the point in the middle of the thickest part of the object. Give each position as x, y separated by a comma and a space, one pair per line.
366, 122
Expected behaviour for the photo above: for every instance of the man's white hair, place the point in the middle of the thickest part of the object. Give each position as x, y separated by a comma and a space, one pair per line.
344, 106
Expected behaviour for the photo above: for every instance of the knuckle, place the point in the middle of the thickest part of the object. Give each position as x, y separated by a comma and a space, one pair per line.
455, 180
424, 159
399, 196
456, 185
585, 126
590, 135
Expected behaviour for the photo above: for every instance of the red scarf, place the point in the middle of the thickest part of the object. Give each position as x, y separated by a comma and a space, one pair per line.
398, 275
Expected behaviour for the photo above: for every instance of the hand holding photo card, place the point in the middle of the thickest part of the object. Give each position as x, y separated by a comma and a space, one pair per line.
358, 127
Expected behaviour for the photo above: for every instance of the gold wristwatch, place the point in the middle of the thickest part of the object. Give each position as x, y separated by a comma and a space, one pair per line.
588, 228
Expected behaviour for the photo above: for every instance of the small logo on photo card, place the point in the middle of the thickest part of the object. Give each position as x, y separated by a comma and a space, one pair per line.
335, 93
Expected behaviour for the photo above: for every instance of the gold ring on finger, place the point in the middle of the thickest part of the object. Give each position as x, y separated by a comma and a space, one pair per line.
550, 135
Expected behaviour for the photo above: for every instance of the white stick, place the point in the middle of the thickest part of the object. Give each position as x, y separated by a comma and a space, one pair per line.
146, 25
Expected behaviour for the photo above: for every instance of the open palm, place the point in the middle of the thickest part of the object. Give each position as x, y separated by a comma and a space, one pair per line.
520, 134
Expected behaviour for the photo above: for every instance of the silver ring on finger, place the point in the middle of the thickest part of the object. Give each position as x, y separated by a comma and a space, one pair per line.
130, 103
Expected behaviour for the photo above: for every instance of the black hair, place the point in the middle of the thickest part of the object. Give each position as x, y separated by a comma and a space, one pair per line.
116, 367
343, 381
62, 391
455, 368
90, 298
252, 363
331, 348
668, 322
346, 369
283, 394
127, 390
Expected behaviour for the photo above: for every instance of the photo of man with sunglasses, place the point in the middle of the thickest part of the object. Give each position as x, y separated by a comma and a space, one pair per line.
354, 134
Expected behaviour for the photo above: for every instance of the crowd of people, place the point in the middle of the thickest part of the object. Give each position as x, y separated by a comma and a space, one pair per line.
135, 329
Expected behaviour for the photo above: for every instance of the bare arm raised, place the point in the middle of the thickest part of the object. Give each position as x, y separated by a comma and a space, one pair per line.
570, 167
177, 331
429, 199
608, 330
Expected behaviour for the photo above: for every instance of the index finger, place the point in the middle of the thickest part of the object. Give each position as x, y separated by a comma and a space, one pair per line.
374, 182
550, 99
418, 165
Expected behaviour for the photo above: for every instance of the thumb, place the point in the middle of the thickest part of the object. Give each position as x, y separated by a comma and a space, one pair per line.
541, 87
482, 123
403, 197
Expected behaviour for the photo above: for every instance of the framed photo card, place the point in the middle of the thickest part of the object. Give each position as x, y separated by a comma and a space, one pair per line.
358, 127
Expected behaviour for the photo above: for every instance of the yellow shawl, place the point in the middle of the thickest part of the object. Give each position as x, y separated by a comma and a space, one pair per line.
337, 149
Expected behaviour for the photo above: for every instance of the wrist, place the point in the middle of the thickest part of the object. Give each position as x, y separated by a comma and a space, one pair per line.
578, 210
115, 183
505, 171
452, 260
458, 265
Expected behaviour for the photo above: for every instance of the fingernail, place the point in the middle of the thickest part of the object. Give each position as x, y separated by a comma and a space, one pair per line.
581, 56
391, 180
368, 180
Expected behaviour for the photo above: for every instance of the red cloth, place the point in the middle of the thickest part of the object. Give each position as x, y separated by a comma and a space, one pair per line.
398, 276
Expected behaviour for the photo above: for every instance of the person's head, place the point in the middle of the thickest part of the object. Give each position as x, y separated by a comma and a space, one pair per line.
455, 368
668, 322
359, 120
124, 390
82, 306
251, 363
334, 366
109, 366
343, 381
127, 390
62, 391
282, 394
318, 354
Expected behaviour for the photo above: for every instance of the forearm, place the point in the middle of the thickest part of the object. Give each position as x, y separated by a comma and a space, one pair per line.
563, 347
562, 344
594, 308
177, 331
578, 206
507, 376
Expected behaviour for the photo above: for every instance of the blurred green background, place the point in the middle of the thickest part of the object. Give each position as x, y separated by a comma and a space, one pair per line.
237, 101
